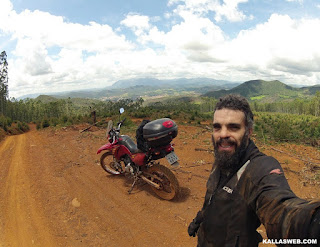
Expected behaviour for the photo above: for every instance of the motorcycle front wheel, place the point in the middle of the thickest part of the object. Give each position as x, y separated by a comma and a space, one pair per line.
110, 165
163, 176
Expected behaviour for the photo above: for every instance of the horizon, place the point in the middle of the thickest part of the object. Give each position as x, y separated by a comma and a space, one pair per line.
61, 93
93, 45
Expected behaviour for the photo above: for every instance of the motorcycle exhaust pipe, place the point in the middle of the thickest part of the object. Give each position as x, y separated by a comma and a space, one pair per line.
157, 186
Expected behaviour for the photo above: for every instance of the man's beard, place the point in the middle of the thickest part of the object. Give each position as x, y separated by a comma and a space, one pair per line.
227, 161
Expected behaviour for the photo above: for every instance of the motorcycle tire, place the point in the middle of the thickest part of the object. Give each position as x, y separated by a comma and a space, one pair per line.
108, 164
163, 176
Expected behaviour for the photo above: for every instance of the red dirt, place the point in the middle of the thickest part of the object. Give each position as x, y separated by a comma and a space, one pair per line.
53, 191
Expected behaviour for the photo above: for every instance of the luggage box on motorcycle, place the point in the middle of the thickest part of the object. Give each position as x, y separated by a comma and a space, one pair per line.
160, 132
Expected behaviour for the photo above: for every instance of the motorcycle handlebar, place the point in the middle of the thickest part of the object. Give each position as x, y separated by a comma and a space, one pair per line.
121, 122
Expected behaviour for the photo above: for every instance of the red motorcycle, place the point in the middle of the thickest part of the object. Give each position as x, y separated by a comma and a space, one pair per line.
123, 156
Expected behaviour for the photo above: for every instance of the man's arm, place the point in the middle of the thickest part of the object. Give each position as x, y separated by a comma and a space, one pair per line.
211, 185
268, 193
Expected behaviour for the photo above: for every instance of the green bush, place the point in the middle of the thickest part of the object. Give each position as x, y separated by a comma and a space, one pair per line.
287, 127
23, 126
5, 122
45, 123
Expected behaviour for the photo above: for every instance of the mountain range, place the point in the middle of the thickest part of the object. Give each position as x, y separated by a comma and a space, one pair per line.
151, 89
148, 88
267, 91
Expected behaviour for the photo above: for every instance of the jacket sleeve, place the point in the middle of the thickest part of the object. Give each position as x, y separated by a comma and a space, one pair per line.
266, 190
211, 186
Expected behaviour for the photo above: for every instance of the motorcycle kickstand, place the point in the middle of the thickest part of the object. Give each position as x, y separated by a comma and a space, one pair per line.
134, 182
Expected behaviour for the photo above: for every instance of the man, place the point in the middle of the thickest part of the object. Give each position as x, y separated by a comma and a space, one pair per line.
247, 188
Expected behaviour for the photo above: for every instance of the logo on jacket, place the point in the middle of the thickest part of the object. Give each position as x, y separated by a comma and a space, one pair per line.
227, 189
276, 171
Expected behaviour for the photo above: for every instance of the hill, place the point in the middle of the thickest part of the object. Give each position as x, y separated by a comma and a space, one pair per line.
46, 98
173, 83
148, 88
266, 91
152, 87
311, 90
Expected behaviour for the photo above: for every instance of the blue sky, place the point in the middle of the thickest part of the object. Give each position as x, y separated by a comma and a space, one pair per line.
55, 45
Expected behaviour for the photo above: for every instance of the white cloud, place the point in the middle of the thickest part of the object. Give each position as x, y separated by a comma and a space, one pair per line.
137, 23
51, 54
36, 32
281, 46
228, 9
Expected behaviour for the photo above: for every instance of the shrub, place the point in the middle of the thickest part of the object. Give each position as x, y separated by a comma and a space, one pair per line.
45, 123
23, 126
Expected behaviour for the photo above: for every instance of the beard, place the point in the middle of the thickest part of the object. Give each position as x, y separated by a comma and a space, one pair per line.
230, 161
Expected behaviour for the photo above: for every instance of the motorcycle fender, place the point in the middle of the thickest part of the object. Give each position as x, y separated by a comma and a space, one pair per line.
107, 146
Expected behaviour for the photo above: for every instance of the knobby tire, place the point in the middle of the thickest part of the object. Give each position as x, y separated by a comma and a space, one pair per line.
169, 187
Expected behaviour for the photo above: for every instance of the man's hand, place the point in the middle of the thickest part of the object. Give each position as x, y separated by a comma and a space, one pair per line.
193, 229
195, 224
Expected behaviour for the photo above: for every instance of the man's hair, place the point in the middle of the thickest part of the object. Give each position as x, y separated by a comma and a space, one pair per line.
236, 102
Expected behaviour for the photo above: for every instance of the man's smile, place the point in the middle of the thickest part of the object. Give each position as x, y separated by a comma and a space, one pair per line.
227, 146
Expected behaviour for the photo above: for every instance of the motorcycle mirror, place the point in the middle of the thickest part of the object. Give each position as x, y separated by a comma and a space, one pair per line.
110, 125
121, 110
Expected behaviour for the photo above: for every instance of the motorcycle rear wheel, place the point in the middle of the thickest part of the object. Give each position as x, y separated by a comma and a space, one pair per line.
163, 176
109, 164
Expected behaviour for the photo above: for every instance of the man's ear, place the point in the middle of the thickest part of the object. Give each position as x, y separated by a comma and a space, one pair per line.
250, 132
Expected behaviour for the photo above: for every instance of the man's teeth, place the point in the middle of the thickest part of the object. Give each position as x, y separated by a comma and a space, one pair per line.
225, 146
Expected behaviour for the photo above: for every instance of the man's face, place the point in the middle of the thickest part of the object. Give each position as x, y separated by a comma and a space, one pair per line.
229, 135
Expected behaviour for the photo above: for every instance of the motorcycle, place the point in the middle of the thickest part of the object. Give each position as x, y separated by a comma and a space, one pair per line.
122, 155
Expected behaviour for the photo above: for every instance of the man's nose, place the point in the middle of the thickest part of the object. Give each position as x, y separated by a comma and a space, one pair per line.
224, 133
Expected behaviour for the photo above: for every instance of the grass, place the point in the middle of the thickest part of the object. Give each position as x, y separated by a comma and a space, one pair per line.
258, 97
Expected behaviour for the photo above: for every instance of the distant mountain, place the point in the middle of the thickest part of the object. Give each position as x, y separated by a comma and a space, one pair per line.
46, 98
311, 90
150, 87
153, 89
173, 83
266, 91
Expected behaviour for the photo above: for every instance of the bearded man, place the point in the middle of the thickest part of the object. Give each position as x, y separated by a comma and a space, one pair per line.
247, 188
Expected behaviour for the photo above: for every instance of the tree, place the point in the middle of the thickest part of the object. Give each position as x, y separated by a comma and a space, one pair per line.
3, 82
315, 104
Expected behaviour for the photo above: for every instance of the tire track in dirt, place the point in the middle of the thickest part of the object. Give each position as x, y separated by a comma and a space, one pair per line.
23, 223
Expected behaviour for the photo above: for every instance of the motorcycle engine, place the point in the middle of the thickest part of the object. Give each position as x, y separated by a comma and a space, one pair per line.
130, 168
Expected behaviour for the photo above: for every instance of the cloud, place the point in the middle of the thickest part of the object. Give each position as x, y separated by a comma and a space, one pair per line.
227, 10
34, 61
52, 54
136, 21
281, 45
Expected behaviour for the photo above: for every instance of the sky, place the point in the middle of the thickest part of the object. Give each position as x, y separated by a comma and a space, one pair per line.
63, 45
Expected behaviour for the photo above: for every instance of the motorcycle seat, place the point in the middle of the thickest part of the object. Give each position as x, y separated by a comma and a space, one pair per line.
129, 143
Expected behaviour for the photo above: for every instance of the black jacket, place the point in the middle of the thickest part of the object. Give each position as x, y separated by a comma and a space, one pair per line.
256, 193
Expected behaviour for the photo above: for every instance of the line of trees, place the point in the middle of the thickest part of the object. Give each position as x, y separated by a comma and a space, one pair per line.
298, 106
3, 83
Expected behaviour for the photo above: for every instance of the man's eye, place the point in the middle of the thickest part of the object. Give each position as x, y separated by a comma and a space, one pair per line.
216, 126
234, 127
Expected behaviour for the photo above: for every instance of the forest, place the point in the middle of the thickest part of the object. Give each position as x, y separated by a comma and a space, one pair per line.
295, 120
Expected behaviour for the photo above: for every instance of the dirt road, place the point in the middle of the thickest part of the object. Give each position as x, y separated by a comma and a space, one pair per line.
54, 193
